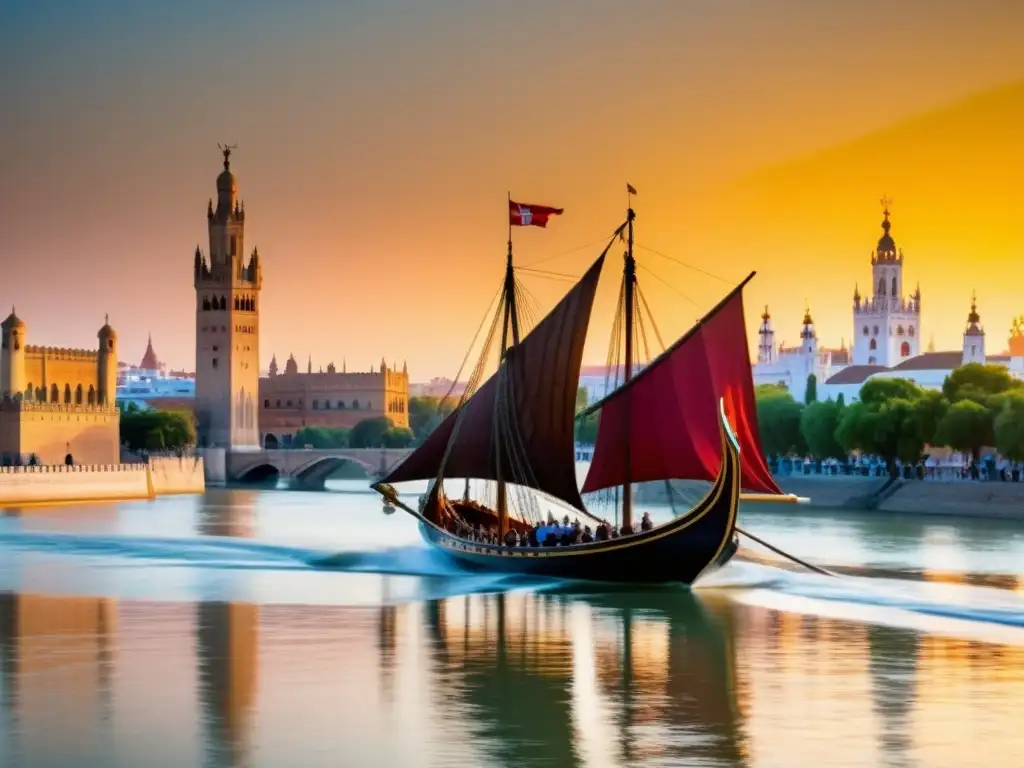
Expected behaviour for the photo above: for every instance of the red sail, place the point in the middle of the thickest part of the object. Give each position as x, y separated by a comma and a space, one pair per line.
539, 378
671, 431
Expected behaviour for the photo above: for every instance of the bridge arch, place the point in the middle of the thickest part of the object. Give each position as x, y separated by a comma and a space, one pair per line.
314, 473
260, 474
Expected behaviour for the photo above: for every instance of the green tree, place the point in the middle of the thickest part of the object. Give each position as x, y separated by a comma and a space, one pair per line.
585, 429
581, 398
840, 400
811, 393
425, 413
967, 426
818, 424
369, 433
877, 392
154, 431
398, 437
1009, 426
891, 429
778, 420
931, 407
322, 438
978, 382
898, 432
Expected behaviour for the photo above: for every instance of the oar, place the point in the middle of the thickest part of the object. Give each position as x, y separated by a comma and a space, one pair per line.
788, 556
775, 498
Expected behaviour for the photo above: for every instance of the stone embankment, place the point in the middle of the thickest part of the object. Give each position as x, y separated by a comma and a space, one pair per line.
25, 486
954, 498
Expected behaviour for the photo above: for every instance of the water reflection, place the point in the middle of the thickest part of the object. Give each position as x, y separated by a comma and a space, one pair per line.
573, 677
56, 659
227, 649
655, 680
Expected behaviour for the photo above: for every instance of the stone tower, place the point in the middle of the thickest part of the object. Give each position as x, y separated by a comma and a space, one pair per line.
227, 325
766, 340
106, 363
974, 336
886, 326
12, 378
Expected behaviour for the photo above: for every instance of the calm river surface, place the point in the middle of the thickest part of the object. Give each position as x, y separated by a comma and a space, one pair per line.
207, 631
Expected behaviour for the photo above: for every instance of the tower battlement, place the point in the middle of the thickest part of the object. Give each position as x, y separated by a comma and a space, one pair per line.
33, 351
18, 404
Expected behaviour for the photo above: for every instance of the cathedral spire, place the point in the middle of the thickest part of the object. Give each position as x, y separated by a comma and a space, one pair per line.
886, 250
150, 362
973, 318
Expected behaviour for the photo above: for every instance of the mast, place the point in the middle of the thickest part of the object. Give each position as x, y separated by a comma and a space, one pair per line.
629, 275
511, 319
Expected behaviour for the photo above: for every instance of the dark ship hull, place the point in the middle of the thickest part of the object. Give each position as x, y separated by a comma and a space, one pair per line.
679, 551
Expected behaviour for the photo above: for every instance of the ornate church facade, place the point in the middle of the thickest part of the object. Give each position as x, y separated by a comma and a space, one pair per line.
887, 335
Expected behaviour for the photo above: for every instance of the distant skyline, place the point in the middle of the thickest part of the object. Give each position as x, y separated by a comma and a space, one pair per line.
377, 140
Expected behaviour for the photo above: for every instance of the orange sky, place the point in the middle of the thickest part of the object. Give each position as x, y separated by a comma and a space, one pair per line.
377, 141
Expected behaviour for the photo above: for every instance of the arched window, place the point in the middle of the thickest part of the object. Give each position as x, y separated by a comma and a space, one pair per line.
866, 330
355, 405
894, 291
327, 405
67, 394
237, 304
92, 395
875, 331
871, 361
54, 393
78, 395
30, 392
873, 345
223, 303
910, 331
266, 403
40, 394
905, 349
881, 286
316, 405
899, 330
341, 405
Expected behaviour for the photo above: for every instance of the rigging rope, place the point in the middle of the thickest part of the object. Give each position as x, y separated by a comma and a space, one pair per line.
669, 285
684, 264
654, 324
573, 250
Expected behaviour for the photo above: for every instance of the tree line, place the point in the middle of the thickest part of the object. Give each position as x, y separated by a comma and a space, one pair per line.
425, 413
979, 406
153, 431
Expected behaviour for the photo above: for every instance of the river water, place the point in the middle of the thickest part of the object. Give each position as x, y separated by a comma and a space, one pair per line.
279, 628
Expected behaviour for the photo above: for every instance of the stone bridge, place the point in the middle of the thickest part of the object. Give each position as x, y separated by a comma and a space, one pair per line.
309, 467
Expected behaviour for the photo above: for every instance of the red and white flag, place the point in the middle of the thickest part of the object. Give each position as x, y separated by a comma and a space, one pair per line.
523, 215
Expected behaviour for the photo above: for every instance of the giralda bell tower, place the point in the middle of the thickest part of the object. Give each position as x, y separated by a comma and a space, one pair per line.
227, 325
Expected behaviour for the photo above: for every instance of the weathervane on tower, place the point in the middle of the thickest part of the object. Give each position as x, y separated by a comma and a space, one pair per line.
226, 150
886, 201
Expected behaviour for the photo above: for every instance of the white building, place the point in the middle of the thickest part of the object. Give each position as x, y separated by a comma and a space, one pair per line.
929, 370
887, 335
792, 366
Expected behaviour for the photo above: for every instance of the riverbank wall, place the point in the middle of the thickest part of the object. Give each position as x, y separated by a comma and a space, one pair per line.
953, 498
173, 475
58, 484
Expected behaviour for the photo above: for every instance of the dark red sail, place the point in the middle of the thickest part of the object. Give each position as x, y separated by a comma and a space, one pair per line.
668, 414
538, 380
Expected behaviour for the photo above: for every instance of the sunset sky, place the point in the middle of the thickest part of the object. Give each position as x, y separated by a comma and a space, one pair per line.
377, 140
